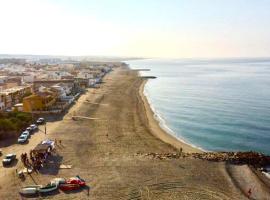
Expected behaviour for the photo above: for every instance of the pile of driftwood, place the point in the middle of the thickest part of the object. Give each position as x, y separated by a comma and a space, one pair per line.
251, 158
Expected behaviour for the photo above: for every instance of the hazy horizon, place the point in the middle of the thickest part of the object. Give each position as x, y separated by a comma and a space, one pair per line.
152, 29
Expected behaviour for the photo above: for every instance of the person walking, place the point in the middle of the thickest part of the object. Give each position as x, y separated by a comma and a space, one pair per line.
249, 193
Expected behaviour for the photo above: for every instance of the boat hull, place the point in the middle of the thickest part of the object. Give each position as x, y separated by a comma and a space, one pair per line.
28, 191
69, 187
46, 190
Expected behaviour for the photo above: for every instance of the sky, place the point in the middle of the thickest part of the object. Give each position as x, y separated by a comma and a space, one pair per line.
136, 28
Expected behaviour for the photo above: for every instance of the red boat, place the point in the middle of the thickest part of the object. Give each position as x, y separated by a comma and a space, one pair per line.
69, 186
76, 180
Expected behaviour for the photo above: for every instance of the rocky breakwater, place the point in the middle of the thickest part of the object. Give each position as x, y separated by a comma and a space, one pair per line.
251, 158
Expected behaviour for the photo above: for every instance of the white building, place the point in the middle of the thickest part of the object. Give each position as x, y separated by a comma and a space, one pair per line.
3, 79
85, 75
57, 74
28, 78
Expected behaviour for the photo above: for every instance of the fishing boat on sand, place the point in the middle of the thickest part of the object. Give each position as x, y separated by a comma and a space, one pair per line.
69, 186
58, 181
76, 180
48, 188
30, 189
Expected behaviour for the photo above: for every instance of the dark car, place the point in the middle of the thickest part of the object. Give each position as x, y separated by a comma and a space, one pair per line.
9, 158
40, 121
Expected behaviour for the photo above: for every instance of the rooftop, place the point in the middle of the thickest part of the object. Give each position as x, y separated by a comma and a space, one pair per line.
14, 89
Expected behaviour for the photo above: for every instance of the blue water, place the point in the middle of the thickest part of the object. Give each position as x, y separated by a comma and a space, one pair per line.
216, 105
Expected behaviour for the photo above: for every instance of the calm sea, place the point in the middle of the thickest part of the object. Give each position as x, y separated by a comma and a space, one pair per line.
216, 105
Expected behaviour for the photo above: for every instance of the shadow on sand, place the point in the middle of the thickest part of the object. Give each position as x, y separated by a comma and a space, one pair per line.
52, 165
85, 188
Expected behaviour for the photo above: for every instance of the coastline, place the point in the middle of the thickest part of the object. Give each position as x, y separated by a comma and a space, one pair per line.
158, 131
241, 177
104, 151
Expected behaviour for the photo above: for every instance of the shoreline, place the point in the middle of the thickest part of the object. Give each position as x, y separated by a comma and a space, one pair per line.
235, 175
158, 131
103, 151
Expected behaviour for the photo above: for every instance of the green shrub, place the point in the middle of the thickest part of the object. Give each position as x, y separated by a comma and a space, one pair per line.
11, 124
6, 125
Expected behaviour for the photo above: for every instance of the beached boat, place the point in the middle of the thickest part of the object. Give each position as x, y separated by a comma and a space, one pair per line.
69, 186
58, 181
76, 180
30, 189
48, 188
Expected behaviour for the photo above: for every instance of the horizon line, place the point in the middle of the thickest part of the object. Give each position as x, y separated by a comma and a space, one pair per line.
133, 57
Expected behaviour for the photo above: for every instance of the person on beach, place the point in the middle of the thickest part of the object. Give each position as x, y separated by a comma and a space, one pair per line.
249, 193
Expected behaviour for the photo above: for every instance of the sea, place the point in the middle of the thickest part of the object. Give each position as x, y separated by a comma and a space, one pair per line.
211, 104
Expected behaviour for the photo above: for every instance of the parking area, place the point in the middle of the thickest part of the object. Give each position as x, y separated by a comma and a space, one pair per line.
19, 148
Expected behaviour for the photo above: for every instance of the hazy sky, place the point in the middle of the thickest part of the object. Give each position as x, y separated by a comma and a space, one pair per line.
149, 28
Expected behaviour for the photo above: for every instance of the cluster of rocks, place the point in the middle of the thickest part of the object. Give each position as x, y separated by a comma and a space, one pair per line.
161, 156
251, 158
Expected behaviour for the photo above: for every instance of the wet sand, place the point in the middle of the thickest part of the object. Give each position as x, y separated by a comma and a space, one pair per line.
104, 150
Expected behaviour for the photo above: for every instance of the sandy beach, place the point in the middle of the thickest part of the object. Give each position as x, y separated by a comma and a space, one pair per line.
104, 151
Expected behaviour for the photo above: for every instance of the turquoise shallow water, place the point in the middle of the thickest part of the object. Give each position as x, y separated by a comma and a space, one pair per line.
217, 105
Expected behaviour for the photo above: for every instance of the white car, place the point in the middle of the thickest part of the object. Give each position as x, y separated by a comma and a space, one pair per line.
40, 121
25, 133
29, 129
33, 127
22, 139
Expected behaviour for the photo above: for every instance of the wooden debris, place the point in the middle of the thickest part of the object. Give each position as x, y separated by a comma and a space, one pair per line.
101, 104
62, 166
83, 117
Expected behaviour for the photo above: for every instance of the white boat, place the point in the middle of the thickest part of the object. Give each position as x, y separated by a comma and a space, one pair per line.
58, 181
30, 189
48, 188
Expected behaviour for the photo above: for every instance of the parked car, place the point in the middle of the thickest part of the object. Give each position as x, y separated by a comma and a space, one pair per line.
29, 129
40, 121
8, 110
22, 139
26, 133
9, 158
33, 127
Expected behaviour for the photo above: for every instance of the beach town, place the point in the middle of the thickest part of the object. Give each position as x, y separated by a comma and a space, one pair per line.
91, 134
46, 88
